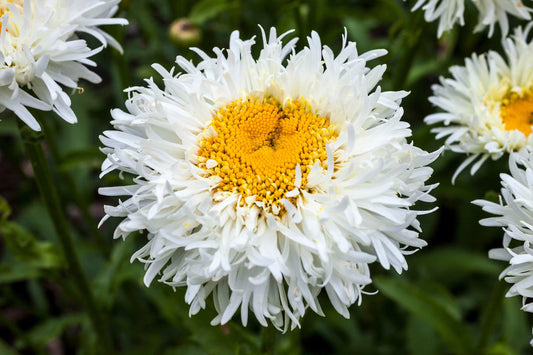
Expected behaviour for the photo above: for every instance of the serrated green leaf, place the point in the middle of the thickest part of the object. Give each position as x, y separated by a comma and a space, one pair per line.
28, 249
421, 303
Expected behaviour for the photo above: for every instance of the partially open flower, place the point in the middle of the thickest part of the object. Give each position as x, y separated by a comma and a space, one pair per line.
263, 181
40, 52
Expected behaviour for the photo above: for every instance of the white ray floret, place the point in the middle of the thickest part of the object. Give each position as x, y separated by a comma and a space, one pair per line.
41, 53
514, 214
475, 99
337, 216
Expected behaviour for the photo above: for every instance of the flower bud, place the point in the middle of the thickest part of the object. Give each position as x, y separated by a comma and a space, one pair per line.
184, 33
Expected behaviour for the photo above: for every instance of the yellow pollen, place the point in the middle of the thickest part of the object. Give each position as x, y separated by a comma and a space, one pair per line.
517, 113
259, 143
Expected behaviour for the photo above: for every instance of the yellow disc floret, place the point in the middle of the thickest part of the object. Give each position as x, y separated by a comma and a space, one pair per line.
517, 113
258, 144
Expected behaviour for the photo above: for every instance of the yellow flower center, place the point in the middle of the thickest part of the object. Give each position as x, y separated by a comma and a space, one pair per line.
259, 143
517, 113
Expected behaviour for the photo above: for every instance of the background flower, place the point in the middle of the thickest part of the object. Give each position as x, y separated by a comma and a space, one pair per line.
40, 52
450, 12
487, 103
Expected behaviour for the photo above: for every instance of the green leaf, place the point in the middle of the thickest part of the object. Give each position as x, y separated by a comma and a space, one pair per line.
117, 271
5, 349
216, 340
28, 249
454, 263
501, 349
207, 9
81, 158
422, 339
185, 349
50, 329
5, 210
14, 272
422, 304
516, 328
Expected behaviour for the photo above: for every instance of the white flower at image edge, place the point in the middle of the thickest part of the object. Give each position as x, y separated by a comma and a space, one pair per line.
514, 213
263, 181
487, 105
40, 52
450, 12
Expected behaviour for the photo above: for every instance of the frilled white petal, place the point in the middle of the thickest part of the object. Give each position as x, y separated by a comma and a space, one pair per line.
346, 213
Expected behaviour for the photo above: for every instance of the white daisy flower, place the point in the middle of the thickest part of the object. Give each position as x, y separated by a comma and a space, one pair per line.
450, 12
264, 181
488, 104
514, 214
40, 52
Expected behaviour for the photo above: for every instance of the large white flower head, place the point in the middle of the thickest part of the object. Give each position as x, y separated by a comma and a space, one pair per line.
450, 12
40, 52
488, 104
514, 214
263, 181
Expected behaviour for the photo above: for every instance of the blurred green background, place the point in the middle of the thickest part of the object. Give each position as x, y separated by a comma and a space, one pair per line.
449, 301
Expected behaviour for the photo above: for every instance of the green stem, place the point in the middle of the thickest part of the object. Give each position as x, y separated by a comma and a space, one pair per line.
268, 340
49, 195
409, 45
90, 223
491, 313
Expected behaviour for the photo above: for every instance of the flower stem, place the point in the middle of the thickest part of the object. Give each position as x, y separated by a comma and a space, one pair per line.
90, 223
409, 46
43, 177
491, 314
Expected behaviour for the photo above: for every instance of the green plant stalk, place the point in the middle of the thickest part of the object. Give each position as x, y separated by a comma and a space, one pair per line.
410, 44
493, 311
90, 223
43, 177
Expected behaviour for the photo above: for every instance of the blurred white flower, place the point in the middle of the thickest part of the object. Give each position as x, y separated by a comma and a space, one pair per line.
264, 181
450, 12
40, 52
515, 215
488, 104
